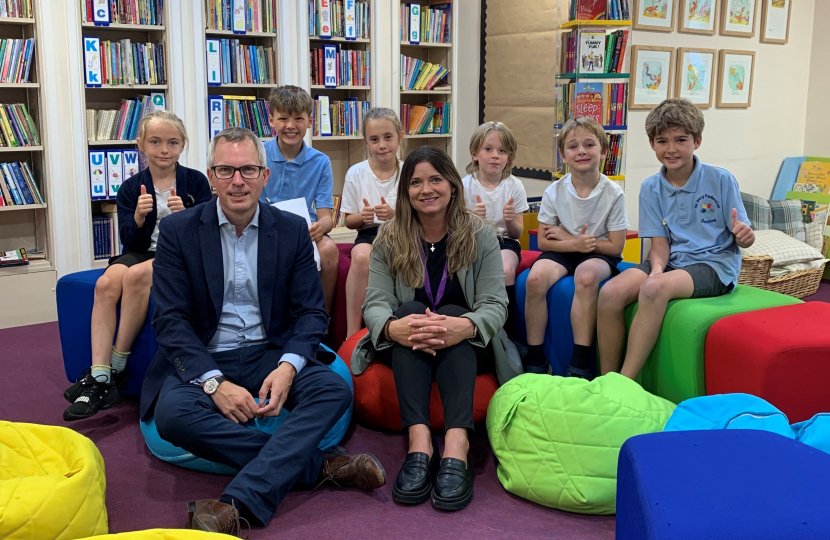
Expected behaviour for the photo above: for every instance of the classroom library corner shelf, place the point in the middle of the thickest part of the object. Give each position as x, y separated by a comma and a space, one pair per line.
443, 90
128, 87
16, 20
122, 27
21, 148
20, 85
323, 87
600, 23
428, 136
231, 33
337, 138
422, 44
36, 265
338, 40
244, 85
593, 76
114, 142
22, 207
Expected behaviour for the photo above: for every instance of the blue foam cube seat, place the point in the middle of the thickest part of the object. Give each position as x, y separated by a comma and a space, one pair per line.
721, 484
559, 335
75, 295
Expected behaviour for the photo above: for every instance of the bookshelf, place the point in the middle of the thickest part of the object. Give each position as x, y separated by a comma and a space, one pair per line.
24, 221
132, 79
599, 88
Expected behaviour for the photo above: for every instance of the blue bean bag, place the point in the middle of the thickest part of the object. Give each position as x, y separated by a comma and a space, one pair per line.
166, 451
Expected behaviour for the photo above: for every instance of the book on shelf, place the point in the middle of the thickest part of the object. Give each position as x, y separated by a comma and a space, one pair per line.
335, 12
241, 64
17, 185
105, 237
121, 124
124, 62
433, 118
16, 8
254, 15
421, 75
17, 257
593, 51
607, 103
16, 60
421, 24
17, 129
239, 111
148, 12
344, 118
596, 10
352, 67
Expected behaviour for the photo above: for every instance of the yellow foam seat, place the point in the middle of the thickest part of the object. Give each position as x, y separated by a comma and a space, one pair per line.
163, 534
52, 484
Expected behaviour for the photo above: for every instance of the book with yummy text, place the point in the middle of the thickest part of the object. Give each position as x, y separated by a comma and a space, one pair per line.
591, 52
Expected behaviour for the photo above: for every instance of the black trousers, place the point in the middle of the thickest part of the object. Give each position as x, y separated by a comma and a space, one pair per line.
269, 465
454, 369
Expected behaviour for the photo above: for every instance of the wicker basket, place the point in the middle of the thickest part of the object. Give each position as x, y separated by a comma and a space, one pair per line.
755, 273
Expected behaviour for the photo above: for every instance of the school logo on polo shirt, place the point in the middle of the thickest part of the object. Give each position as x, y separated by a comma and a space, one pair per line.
708, 206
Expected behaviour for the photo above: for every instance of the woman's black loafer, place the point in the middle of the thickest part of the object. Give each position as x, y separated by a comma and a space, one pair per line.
414, 482
453, 488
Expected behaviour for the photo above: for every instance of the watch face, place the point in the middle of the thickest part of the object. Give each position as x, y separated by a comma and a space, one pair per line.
210, 386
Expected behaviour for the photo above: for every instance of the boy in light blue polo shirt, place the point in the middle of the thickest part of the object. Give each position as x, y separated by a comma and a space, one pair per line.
299, 171
696, 221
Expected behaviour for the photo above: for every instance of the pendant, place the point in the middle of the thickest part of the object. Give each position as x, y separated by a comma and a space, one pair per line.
432, 248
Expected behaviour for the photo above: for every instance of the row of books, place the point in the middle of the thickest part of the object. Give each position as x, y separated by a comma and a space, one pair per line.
239, 111
16, 59
17, 127
594, 51
17, 185
255, 15
607, 103
426, 25
611, 10
351, 67
131, 11
238, 63
421, 75
17, 257
343, 118
124, 62
338, 218
104, 238
330, 18
434, 117
16, 8
121, 124
108, 169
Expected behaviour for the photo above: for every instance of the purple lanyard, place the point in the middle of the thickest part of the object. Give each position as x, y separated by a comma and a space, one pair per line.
442, 285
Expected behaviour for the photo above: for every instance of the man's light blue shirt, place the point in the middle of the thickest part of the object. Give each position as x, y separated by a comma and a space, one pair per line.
696, 218
307, 176
240, 323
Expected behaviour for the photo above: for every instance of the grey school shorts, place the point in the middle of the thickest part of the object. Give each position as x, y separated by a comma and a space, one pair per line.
706, 280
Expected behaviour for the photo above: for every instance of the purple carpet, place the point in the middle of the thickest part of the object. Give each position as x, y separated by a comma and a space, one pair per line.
144, 493
822, 294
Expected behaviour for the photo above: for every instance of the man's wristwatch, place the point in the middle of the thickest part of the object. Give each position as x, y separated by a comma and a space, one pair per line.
210, 385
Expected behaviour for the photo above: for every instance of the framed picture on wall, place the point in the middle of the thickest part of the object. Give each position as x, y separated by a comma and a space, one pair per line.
775, 20
695, 75
654, 15
737, 18
735, 72
652, 75
697, 16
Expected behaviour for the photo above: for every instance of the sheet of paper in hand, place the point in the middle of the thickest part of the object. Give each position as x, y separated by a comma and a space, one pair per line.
298, 206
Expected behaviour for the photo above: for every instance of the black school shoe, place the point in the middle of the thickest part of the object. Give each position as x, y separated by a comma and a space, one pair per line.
453, 488
94, 397
119, 378
414, 482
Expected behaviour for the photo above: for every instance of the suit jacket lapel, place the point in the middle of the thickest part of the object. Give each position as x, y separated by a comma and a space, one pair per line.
213, 261
267, 256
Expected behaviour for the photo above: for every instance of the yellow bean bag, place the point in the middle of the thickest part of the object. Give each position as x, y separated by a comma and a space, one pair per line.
52, 484
163, 534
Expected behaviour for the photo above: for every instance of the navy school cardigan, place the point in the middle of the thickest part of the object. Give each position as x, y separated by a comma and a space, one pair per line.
191, 185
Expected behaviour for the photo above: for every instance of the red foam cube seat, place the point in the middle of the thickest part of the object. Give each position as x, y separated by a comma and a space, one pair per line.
376, 399
780, 354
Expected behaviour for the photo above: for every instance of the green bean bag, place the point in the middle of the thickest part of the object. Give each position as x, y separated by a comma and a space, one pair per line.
557, 439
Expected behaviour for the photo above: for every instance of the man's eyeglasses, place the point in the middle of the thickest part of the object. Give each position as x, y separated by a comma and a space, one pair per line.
226, 172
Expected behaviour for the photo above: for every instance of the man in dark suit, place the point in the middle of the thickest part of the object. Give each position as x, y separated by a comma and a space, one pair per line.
240, 313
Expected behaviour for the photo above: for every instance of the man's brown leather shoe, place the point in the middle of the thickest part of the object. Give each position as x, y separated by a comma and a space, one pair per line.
362, 471
210, 515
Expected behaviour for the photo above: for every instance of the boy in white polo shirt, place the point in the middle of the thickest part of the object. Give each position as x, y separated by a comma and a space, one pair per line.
696, 221
582, 224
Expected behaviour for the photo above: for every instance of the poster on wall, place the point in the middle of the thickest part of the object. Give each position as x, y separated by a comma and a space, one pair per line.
738, 18
652, 70
697, 16
654, 15
695, 71
775, 20
735, 70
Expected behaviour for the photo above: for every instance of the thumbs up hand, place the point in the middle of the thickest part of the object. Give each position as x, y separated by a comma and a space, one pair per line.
585, 243
143, 206
384, 211
368, 212
744, 236
174, 203
480, 210
509, 211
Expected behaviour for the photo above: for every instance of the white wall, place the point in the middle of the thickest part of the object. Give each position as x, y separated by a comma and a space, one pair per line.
816, 141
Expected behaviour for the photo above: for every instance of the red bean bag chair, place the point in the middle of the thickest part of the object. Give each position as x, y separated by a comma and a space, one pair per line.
528, 258
376, 399
338, 319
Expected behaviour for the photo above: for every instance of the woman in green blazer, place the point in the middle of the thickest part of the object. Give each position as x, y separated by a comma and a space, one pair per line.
435, 307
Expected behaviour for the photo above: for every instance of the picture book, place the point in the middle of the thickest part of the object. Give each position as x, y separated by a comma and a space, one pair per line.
592, 52
588, 100
588, 10
813, 177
